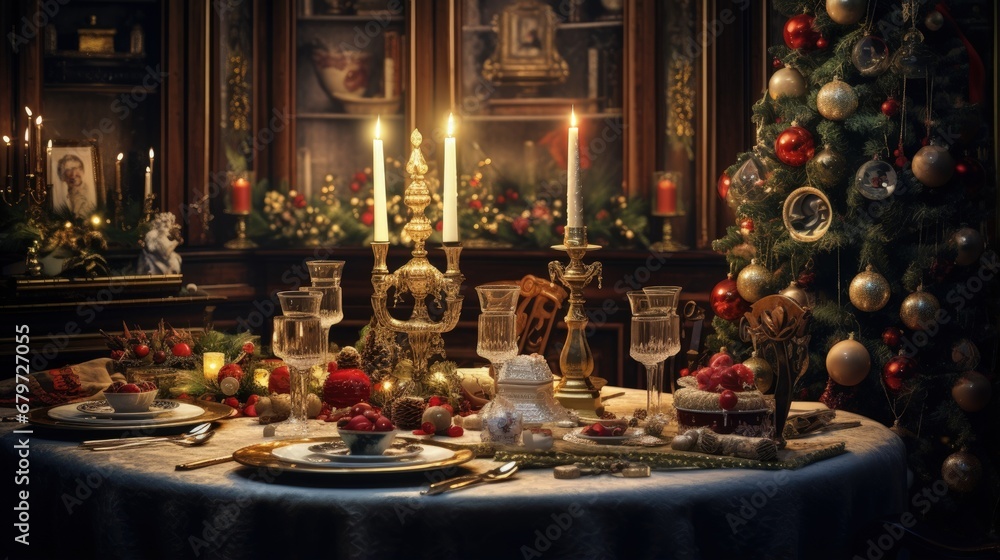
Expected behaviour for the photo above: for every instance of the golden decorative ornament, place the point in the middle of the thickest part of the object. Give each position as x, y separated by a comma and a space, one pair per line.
972, 391
968, 245
962, 471
763, 372
836, 100
827, 168
869, 291
796, 294
919, 309
752, 281
848, 362
933, 166
846, 12
786, 82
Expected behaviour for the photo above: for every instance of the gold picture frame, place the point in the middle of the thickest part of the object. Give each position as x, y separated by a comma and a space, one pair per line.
527, 55
75, 161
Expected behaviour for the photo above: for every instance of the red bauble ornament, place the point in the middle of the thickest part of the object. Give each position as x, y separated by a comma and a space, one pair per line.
799, 32
723, 185
972, 174
821, 42
890, 107
892, 336
728, 400
806, 279
746, 225
776, 63
795, 146
278, 381
231, 370
181, 350
727, 301
898, 371
346, 387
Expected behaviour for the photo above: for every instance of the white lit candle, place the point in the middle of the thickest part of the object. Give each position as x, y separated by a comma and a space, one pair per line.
38, 145
450, 225
148, 183
212, 362
118, 177
574, 193
149, 178
27, 150
378, 172
8, 161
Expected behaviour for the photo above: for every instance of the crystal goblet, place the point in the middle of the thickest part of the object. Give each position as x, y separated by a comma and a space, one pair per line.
301, 343
649, 341
497, 341
331, 310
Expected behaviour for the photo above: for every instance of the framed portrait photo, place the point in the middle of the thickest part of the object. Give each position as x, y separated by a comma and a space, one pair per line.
74, 171
526, 55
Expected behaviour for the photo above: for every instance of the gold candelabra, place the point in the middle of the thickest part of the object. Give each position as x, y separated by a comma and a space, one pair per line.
576, 390
37, 191
418, 277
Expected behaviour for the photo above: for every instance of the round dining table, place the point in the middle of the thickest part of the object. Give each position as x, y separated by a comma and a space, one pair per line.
134, 504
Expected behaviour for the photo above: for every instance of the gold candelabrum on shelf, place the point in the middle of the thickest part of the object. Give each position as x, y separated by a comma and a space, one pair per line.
418, 277
37, 191
576, 390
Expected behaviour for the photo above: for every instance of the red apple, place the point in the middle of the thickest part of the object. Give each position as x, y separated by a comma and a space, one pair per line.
140, 350
129, 388
728, 400
181, 350
359, 423
360, 408
372, 415
383, 424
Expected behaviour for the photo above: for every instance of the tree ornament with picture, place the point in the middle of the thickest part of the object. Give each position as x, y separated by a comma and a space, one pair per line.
876, 179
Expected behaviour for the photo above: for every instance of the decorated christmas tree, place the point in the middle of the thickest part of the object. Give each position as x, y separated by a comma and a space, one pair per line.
869, 198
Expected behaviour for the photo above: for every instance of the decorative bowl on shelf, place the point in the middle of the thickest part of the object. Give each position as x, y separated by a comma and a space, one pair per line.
363, 442
357, 105
340, 71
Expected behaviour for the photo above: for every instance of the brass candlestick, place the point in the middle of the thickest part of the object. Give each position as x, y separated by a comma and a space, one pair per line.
576, 390
418, 277
241, 241
147, 207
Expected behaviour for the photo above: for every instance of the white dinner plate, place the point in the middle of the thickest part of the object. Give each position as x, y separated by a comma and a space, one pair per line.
338, 451
101, 409
300, 454
72, 413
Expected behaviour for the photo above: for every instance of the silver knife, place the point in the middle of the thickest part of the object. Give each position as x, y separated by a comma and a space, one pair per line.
203, 463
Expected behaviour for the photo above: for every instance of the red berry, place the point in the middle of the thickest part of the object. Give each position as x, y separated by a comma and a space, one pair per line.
181, 350
183, 397
250, 410
359, 409
821, 43
360, 424
449, 408
371, 415
248, 348
159, 356
455, 431
231, 370
428, 427
129, 388
252, 399
140, 350
383, 424
685, 372
232, 402
728, 400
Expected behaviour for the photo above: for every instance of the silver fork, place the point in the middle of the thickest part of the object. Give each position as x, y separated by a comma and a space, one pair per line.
189, 441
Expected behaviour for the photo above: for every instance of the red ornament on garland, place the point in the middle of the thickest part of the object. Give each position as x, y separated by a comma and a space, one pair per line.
890, 107
897, 372
795, 146
776, 63
726, 300
821, 42
723, 185
972, 174
892, 336
345, 387
231, 370
799, 33
746, 226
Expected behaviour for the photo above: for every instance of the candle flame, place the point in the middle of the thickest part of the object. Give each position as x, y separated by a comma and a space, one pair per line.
38, 120
378, 127
120, 156
572, 116
151, 153
6, 139
27, 135
451, 125
28, 110
147, 169
49, 145
95, 220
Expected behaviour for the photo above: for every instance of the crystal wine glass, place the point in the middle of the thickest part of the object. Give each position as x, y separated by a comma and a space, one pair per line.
649, 346
498, 323
325, 272
666, 296
331, 310
301, 344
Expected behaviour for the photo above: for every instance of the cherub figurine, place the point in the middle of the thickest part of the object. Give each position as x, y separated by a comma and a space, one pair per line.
158, 256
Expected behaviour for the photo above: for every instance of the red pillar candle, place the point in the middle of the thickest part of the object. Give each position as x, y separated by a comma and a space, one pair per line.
666, 197
240, 196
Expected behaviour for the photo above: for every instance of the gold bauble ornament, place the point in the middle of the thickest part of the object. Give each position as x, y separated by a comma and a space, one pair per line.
787, 82
919, 309
795, 293
827, 168
846, 12
933, 166
836, 100
763, 372
869, 290
972, 391
848, 362
968, 244
962, 471
752, 281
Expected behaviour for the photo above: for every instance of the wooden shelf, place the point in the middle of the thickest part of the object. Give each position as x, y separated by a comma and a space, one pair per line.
568, 26
538, 118
344, 117
353, 19
100, 88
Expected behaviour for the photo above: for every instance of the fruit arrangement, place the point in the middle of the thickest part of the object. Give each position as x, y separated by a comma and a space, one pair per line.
163, 346
122, 387
363, 417
722, 376
600, 430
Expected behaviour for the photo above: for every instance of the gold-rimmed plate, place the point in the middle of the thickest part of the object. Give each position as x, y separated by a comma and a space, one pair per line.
210, 413
262, 455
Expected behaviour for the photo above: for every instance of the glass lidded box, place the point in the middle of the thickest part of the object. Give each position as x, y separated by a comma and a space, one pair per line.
526, 381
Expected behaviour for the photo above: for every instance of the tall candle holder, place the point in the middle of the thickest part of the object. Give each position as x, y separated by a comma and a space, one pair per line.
147, 207
238, 205
576, 390
668, 204
37, 191
418, 276
241, 241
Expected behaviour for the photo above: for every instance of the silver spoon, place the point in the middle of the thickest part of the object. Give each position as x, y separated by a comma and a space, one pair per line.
200, 428
189, 441
503, 472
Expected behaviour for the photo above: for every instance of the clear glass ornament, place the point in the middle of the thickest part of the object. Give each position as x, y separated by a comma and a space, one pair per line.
871, 56
876, 180
749, 183
913, 57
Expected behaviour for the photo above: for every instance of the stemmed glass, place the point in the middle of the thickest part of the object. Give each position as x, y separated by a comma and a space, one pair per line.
667, 296
331, 310
299, 340
325, 272
650, 329
498, 323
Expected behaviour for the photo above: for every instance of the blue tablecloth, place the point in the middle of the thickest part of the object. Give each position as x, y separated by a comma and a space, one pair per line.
133, 504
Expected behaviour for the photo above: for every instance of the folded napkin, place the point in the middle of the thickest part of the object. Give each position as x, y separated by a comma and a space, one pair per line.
62, 385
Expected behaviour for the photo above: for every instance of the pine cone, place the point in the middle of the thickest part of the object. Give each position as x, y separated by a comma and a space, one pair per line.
407, 412
348, 358
376, 354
